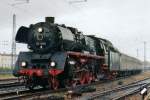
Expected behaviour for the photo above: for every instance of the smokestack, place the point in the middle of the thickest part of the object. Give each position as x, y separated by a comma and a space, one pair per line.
50, 19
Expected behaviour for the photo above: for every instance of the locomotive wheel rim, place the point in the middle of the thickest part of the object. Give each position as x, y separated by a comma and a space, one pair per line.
89, 77
30, 84
92, 77
49, 83
82, 78
74, 83
85, 78
53, 83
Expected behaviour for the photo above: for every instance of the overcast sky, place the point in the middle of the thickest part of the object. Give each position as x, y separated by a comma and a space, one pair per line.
124, 22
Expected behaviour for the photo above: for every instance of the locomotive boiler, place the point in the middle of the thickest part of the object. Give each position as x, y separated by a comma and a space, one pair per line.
61, 56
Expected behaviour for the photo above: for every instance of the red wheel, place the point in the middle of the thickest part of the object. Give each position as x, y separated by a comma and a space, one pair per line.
82, 78
90, 77
74, 83
93, 78
53, 83
86, 78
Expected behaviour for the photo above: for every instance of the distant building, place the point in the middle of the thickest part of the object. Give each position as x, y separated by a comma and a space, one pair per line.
5, 60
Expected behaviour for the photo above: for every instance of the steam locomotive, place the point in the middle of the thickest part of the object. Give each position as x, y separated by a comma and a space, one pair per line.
61, 56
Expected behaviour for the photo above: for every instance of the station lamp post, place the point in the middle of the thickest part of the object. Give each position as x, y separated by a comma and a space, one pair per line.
13, 58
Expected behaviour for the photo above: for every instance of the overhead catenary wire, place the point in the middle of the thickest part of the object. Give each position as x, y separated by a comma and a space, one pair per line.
20, 2
77, 1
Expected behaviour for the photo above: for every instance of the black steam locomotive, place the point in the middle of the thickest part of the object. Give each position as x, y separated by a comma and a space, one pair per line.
61, 56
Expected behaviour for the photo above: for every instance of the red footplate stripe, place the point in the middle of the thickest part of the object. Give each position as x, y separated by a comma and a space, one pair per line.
31, 72
55, 72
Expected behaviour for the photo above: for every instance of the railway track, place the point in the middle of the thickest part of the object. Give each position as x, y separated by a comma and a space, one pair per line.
118, 92
9, 79
6, 83
27, 94
40, 93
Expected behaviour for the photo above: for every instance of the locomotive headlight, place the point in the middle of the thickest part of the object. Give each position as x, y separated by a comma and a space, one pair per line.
52, 64
23, 64
40, 29
72, 62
